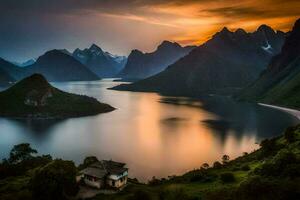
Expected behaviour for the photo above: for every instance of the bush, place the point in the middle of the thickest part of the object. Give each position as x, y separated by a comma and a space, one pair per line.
257, 186
140, 195
56, 180
280, 164
268, 147
175, 194
217, 165
225, 159
289, 134
205, 166
227, 177
245, 167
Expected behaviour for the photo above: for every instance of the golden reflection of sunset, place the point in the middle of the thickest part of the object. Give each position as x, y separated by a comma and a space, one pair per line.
173, 137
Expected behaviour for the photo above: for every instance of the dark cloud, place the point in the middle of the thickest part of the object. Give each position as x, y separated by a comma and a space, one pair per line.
263, 11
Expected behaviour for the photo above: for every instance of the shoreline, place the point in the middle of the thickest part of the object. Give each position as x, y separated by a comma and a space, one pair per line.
294, 112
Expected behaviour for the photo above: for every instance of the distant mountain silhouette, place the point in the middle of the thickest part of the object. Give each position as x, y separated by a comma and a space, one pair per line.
224, 64
5, 78
101, 63
280, 82
11, 70
25, 64
34, 97
142, 65
56, 65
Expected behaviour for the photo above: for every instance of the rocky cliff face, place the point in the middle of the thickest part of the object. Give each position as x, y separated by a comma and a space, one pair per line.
280, 82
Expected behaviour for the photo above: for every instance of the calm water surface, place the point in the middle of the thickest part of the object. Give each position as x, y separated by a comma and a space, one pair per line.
155, 135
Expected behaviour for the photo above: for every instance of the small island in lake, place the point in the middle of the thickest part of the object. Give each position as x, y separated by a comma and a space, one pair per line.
34, 97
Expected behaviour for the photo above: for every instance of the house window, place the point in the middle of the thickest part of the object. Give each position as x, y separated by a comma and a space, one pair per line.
113, 183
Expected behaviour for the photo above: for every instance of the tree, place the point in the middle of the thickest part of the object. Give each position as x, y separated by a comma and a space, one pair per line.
225, 159
227, 177
217, 165
289, 134
56, 180
88, 161
21, 152
205, 166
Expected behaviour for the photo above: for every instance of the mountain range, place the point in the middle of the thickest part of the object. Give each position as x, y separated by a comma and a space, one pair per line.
25, 64
55, 65
58, 66
104, 64
280, 83
142, 65
5, 78
224, 64
11, 70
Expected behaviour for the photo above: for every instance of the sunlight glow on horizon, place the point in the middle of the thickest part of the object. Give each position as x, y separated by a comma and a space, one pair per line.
119, 26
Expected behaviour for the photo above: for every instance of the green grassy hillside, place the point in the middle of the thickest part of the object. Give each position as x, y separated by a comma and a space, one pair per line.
272, 172
35, 97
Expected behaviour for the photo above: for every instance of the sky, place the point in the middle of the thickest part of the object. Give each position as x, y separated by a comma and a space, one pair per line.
28, 28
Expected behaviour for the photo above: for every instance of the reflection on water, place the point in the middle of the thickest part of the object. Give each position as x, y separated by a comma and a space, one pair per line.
155, 135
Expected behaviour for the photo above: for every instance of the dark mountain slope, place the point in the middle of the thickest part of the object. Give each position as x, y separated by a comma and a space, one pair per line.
280, 82
142, 65
58, 66
34, 97
225, 63
5, 78
11, 69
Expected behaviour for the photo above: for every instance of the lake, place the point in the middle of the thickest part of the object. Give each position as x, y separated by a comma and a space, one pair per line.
155, 135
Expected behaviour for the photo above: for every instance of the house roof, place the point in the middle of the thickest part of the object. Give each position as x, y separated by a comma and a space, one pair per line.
105, 167
95, 172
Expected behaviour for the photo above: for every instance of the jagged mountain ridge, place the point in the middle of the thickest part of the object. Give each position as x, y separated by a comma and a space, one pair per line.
280, 82
104, 64
223, 64
142, 65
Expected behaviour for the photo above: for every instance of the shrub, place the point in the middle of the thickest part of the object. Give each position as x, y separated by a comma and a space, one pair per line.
245, 167
227, 177
257, 186
205, 166
277, 165
55, 180
140, 195
268, 147
175, 194
225, 159
217, 165
289, 134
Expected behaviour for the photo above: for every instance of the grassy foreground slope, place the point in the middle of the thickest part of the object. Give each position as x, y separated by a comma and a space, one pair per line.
272, 172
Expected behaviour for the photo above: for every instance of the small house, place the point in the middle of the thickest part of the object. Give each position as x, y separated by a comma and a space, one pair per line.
105, 174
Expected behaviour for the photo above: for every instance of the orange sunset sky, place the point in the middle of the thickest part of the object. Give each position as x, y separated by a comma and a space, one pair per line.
31, 27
